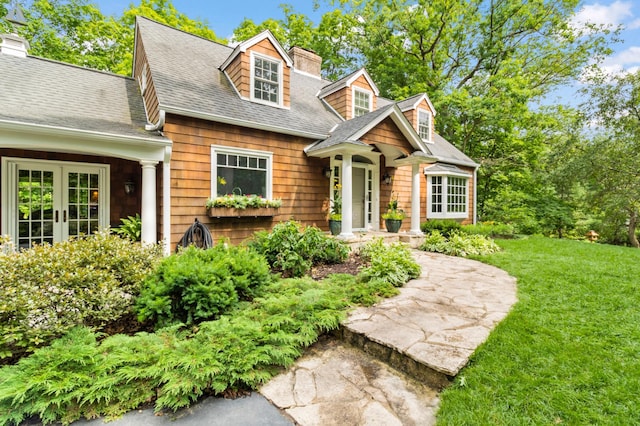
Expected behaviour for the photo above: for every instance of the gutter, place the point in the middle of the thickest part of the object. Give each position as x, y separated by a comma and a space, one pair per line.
157, 126
20, 127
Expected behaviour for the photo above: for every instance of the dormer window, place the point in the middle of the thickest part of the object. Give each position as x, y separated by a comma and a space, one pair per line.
266, 79
424, 124
361, 102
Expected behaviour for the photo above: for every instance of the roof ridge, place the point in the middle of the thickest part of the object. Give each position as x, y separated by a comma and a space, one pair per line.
153, 21
79, 67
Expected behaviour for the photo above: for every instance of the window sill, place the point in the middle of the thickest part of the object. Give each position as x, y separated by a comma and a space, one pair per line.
248, 212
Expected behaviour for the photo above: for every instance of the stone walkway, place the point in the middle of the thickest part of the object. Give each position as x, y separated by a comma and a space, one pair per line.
396, 355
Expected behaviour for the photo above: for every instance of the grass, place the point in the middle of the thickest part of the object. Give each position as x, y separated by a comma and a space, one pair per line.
569, 352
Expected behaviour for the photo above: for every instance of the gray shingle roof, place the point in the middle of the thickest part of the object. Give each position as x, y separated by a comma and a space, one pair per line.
445, 151
48, 93
186, 75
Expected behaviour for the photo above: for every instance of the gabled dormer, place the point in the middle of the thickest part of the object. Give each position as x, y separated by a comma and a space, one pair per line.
260, 71
420, 112
352, 96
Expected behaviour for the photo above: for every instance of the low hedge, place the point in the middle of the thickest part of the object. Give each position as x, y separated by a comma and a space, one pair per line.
48, 289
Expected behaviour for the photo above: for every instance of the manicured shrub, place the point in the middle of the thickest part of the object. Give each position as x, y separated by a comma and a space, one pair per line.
293, 250
48, 289
490, 229
197, 285
445, 226
392, 263
459, 244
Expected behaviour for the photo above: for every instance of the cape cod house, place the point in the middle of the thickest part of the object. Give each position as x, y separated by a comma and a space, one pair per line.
80, 149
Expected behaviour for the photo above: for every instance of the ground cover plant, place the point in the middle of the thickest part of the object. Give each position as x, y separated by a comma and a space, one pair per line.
49, 289
293, 249
568, 351
84, 374
458, 243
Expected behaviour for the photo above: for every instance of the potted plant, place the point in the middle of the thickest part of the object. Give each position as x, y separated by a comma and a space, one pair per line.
393, 217
335, 215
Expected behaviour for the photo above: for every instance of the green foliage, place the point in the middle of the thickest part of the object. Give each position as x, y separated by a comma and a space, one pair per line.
131, 228
459, 244
391, 263
489, 229
48, 289
566, 352
445, 226
242, 202
197, 285
81, 375
293, 250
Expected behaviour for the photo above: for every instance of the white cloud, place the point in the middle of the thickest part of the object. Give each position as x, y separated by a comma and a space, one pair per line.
634, 25
609, 15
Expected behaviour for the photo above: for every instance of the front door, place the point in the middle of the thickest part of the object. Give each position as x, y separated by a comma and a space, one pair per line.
358, 197
52, 201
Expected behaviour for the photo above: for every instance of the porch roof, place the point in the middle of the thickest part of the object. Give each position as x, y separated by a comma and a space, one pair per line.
42, 92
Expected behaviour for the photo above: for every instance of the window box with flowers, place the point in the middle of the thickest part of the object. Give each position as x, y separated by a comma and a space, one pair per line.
238, 205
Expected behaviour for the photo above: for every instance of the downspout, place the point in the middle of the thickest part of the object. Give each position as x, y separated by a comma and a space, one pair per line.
475, 195
151, 127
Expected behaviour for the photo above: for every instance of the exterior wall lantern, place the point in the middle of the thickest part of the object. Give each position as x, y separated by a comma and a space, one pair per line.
129, 187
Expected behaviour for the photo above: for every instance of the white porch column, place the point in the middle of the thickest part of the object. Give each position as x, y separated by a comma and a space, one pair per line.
148, 214
415, 200
347, 197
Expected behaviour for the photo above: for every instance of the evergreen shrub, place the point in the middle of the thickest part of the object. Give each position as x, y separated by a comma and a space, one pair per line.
195, 285
444, 226
48, 289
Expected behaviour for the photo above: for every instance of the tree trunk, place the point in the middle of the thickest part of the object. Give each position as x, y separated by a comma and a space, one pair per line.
633, 222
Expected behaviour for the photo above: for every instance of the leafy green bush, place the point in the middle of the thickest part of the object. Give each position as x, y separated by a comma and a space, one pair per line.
48, 289
444, 226
131, 228
489, 229
391, 263
293, 250
459, 244
197, 285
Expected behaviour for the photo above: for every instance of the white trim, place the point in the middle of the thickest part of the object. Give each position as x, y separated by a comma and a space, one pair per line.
244, 46
374, 210
252, 62
9, 182
422, 97
367, 92
221, 149
143, 78
60, 139
445, 188
166, 201
235, 89
430, 118
348, 81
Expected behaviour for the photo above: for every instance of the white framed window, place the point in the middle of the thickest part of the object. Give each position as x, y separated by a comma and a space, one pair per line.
361, 101
241, 172
266, 79
447, 197
424, 124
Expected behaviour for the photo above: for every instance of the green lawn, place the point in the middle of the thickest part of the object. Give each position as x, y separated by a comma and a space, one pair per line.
569, 351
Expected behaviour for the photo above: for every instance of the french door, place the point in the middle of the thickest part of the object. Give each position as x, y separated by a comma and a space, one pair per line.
49, 201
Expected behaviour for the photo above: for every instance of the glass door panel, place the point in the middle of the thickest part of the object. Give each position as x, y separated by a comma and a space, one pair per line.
36, 213
83, 191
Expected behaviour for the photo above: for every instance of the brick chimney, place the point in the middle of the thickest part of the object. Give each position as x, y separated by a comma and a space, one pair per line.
306, 61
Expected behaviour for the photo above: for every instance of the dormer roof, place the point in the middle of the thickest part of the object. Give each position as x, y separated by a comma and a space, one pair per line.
347, 81
242, 47
414, 101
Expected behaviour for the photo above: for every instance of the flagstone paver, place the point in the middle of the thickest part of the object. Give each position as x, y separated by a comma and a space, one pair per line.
410, 346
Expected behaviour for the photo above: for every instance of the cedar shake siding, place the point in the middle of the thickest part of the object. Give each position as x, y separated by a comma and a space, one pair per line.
297, 179
149, 96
